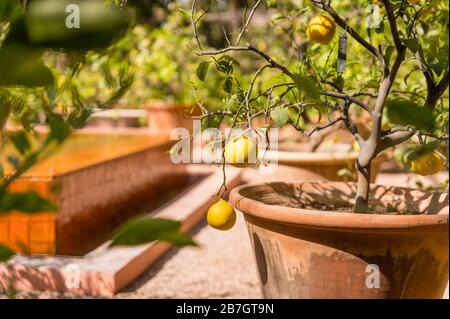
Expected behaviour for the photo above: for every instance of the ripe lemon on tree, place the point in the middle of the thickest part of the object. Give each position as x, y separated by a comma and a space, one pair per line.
241, 152
221, 215
321, 29
427, 164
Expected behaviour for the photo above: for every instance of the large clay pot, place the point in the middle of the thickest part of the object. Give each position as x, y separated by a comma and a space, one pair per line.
164, 117
302, 253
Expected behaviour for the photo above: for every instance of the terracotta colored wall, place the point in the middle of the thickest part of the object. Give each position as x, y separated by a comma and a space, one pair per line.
29, 232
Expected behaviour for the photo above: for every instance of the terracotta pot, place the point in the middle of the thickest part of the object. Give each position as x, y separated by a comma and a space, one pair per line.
327, 164
164, 117
117, 118
304, 253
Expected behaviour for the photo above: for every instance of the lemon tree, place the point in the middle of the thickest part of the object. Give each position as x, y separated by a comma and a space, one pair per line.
343, 61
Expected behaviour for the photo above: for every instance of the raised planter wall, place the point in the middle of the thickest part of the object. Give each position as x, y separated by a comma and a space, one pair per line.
97, 181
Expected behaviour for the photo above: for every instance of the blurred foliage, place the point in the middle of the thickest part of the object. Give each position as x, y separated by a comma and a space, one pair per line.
142, 230
46, 75
163, 62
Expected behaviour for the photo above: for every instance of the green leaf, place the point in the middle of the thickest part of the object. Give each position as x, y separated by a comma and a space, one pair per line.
14, 161
29, 202
20, 141
21, 66
308, 87
280, 116
412, 44
405, 112
225, 64
5, 253
9, 10
388, 55
59, 129
417, 151
143, 229
45, 25
228, 85
201, 71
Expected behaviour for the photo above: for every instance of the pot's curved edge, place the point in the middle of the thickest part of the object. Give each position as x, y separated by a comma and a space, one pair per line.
312, 158
337, 220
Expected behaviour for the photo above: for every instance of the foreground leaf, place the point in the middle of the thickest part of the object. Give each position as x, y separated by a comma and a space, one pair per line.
142, 230
21, 66
5, 253
9, 10
48, 24
29, 202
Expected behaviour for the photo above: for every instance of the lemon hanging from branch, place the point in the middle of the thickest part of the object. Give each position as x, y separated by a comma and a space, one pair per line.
321, 29
241, 152
221, 215
427, 164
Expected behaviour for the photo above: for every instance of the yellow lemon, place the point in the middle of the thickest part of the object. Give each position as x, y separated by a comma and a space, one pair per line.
321, 29
427, 164
241, 152
221, 215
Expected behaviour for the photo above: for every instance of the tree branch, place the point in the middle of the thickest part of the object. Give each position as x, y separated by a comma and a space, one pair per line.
347, 98
250, 47
393, 139
322, 127
246, 24
393, 25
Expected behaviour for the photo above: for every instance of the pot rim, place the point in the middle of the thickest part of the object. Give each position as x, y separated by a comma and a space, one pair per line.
334, 220
319, 158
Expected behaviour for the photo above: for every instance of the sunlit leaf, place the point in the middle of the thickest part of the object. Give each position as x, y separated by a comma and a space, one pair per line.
307, 86
280, 116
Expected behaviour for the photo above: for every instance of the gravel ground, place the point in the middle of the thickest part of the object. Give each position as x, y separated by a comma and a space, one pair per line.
222, 267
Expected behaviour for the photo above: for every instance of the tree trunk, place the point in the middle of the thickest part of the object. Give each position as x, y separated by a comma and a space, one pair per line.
362, 195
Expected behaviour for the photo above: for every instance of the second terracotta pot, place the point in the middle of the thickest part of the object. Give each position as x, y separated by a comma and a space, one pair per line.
164, 117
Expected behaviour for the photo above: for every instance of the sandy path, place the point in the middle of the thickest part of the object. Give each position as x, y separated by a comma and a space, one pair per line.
222, 267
